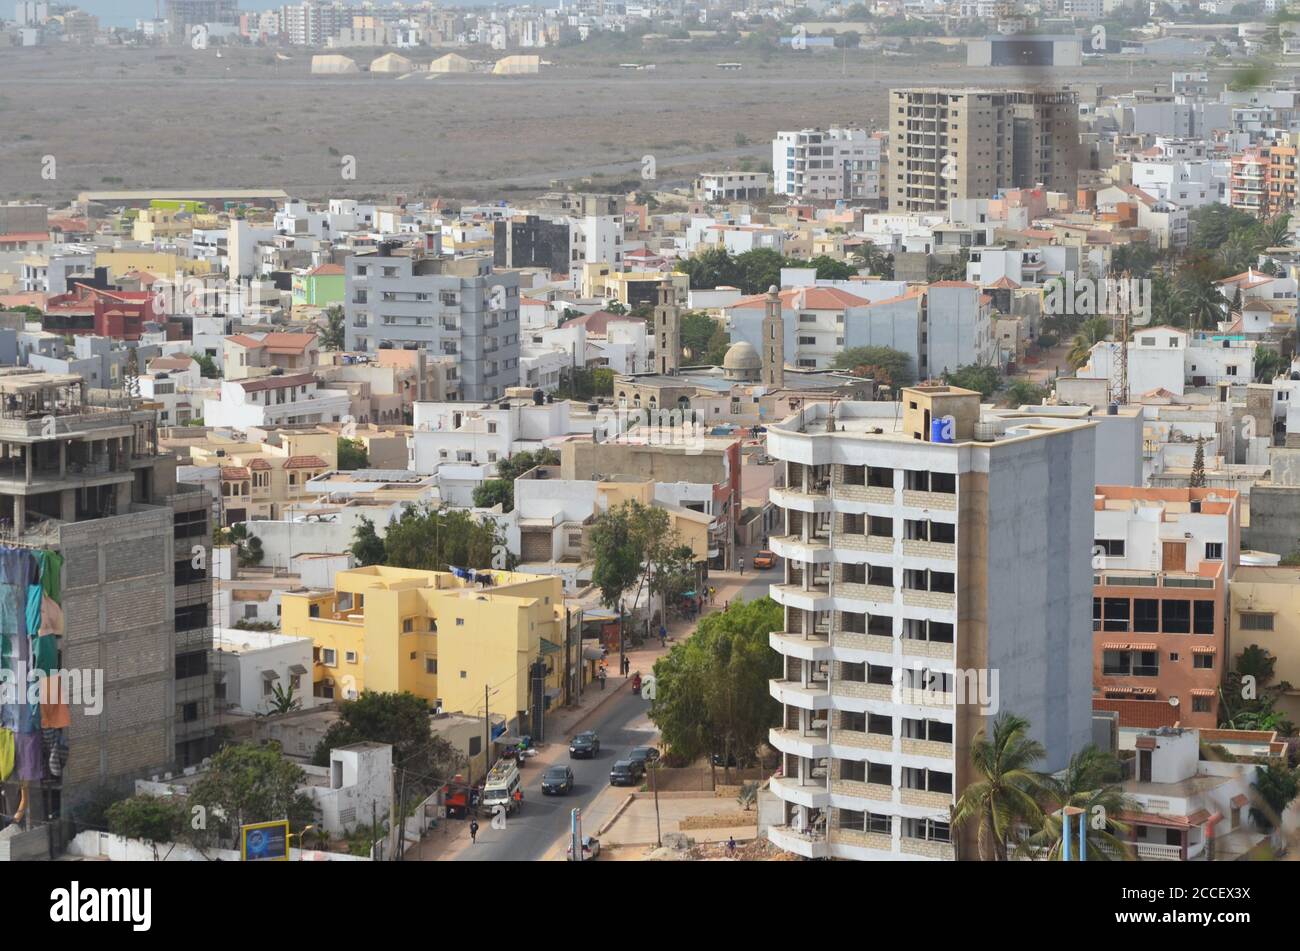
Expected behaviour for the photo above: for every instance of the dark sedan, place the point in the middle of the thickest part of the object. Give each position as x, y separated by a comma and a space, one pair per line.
584, 745
646, 756
626, 773
557, 781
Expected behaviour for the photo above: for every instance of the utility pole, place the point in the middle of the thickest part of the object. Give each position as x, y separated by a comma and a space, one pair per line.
654, 787
487, 735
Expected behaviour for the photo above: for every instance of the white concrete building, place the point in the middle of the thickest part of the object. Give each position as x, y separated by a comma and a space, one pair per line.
836, 164
936, 571
275, 401
249, 665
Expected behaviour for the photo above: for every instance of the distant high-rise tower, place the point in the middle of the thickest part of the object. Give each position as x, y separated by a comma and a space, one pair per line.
668, 346
773, 331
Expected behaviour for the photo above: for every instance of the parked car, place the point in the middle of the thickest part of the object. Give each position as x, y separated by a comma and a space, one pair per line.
557, 781
590, 849
645, 755
765, 559
584, 746
746, 760
626, 773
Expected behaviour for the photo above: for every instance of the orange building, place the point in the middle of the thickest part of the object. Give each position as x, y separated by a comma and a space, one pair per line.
1161, 563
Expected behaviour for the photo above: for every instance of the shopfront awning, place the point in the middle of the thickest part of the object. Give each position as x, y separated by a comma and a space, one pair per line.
592, 653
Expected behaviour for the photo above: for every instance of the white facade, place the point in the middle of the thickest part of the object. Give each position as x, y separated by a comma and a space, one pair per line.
249, 665
275, 401
837, 164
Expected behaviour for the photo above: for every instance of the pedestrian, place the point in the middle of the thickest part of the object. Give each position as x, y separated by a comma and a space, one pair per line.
627, 665
731, 845
741, 563
473, 831
602, 678
663, 636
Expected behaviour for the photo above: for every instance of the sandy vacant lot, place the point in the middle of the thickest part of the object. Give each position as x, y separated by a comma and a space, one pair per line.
121, 118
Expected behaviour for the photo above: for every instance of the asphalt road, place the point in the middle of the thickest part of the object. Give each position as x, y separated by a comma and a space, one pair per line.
543, 820
534, 830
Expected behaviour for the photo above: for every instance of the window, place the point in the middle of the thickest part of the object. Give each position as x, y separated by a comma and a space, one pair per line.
1146, 615
1110, 547
1200, 704
408, 625
1176, 616
430, 664
329, 657
350, 656
1257, 622
1115, 614
1214, 551
1202, 617
1203, 661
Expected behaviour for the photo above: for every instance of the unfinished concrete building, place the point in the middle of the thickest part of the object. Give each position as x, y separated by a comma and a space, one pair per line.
85, 479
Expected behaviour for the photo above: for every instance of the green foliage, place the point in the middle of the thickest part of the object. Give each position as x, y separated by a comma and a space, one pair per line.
1275, 788
585, 383
367, 546
1248, 697
493, 492
886, 366
92, 812
207, 366
1025, 393
352, 454
1091, 782
516, 465
282, 699
614, 543
712, 689
1092, 332
697, 330
432, 539
753, 271
147, 818
402, 721
332, 333
248, 547
246, 783
1005, 790
984, 380
829, 269
1268, 364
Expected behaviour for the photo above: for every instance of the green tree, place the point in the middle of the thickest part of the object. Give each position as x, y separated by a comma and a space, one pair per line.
332, 333
876, 260
247, 783
760, 269
248, 547
207, 366
1025, 393
150, 819
891, 367
352, 454
1092, 332
614, 549
423, 761
1091, 782
1248, 697
829, 269
984, 380
492, 492
697, 331
1005, 788
433, 539
1275, 788
282, 699
711, 690
514, 466
1268, 364
712, 267
367, 546
1197, 478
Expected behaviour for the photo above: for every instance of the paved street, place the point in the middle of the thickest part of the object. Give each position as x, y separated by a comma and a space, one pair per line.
540, 829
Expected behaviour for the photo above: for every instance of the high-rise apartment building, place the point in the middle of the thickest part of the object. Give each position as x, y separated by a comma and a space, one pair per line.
835, 164
402, 298
86, 481
313, 22
183, 14
953, 144
937, 573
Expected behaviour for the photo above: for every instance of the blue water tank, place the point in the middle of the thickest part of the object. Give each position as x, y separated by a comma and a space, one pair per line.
941, 429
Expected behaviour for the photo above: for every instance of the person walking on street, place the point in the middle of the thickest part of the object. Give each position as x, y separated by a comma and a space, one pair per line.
473, 831
663, 636
731, 845
602, 678
741, 563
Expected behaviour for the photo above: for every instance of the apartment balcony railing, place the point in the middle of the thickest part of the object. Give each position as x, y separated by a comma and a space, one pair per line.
860, 690
814, 696
864, 642
916, 548
876, 792
939, 600
815, 646
943, 650
814, 795
878, 593
932, 748
811, 845
859, 739
929, 848
923, 797
944, 501
813, 744
856, 838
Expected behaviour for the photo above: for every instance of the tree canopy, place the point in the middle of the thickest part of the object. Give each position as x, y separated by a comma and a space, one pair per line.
432, 539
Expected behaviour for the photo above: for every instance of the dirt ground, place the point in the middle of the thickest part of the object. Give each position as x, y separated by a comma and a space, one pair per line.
120, 118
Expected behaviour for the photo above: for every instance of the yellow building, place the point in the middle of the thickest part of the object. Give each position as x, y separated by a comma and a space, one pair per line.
157, 223
161, 263
259, 479
1265, 610
436, 635
630, 288
691, 527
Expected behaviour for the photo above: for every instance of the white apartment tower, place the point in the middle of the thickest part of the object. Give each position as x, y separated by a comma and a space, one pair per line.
937, 572
832, 165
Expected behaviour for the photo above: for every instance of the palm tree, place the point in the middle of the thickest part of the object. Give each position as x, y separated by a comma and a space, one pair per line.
1204, 304
1091, 783
875, 259
1008, 788
1275, 232
1092, 332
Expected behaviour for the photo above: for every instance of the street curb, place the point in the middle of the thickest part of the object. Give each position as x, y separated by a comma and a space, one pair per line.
617, 812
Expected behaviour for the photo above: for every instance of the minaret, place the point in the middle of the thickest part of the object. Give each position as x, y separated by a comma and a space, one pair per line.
773, 331
667, 326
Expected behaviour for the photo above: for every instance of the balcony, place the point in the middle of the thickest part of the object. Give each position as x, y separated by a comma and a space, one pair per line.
795, 498
794, 644
813, 744
815, 598
795, 694
921, 697
851, 640
852, 788
852, 541
808, 844
853, 839
937, 600
923, 797
815, 550
942, 501
915, 548
931, 748
927, 848
860, 740
877, 593
879, 495
859, 690
940, 650
790, 789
